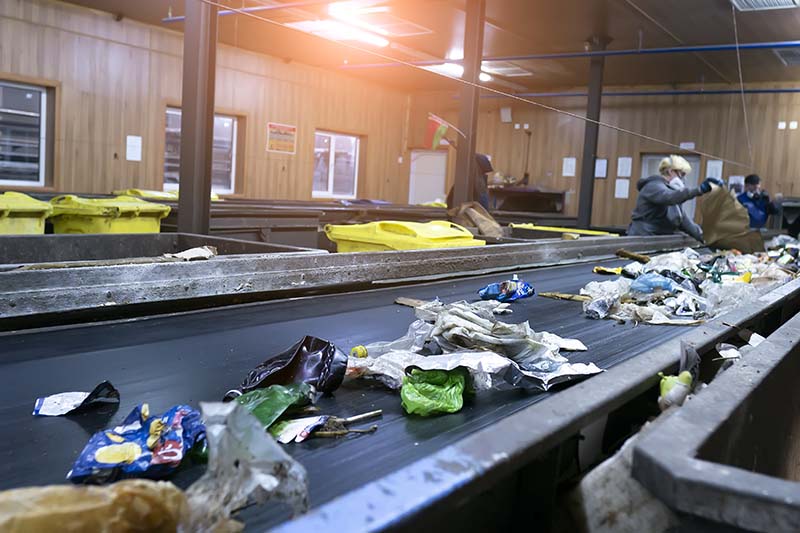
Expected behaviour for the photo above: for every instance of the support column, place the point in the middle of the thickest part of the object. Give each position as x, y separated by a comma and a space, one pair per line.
590, 134
197, 116
470, 96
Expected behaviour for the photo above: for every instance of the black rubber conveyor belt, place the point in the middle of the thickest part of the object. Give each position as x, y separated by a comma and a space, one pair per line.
198, 356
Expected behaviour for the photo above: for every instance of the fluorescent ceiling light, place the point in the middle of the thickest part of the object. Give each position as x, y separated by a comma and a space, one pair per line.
456, 71
338, 31
349, 12
760, 5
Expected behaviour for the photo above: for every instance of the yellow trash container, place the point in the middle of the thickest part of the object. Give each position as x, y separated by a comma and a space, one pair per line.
163, 196
22, 215
123, 214
394, 235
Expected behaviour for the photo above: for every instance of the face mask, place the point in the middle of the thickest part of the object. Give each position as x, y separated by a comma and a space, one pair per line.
677, 183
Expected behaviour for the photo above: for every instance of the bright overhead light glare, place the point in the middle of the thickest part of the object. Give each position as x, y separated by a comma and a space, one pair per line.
338, 31
455, 54
350, 13
456, 71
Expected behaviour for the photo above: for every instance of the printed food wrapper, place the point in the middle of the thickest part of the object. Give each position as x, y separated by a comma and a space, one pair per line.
69, 402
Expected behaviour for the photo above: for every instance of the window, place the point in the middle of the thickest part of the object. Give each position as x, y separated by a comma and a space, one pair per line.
23, 135
223, 160
335, 165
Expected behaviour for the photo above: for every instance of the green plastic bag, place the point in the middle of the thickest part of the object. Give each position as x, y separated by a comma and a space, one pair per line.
431, 392
269, 403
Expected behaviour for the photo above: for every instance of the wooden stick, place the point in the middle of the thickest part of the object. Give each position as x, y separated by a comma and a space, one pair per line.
564, 296
410, 302
633, 256
365, 416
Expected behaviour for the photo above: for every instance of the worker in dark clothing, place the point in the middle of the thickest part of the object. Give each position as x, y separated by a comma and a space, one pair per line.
757, 202
480, 189
658, 207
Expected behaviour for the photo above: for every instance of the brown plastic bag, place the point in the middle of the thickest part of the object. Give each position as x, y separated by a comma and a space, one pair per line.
726, 223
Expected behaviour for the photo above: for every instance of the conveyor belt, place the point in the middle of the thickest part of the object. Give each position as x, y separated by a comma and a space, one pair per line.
190, 357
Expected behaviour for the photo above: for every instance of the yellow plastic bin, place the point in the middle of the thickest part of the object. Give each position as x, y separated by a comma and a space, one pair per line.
123, 214
395, 235
22, 215
162, 196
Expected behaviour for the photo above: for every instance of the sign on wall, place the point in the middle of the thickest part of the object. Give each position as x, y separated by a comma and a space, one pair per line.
281, 138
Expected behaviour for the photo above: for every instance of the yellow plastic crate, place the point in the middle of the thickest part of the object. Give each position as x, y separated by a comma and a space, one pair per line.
22, 215
394, 235
123, 214
554, 229
163, 196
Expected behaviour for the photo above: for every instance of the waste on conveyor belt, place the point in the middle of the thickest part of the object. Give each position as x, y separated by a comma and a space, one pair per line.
142, 446
507, 291
66, 403
311, 360
466, 335
687, 288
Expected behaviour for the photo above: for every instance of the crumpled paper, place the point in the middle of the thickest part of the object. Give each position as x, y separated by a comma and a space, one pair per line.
245, 465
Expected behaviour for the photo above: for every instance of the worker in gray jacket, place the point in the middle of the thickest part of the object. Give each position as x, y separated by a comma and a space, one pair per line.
658, 207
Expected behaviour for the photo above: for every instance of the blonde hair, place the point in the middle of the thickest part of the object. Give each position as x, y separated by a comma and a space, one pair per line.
674, 162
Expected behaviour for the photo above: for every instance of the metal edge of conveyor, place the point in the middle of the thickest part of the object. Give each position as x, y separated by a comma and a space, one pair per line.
670, 463
484, 457
32, 292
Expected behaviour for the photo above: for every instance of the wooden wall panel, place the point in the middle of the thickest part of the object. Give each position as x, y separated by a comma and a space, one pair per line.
715, 123
116, 79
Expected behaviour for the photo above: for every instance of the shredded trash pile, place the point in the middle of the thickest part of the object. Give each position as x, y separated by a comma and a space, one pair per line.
461, 347
687, 288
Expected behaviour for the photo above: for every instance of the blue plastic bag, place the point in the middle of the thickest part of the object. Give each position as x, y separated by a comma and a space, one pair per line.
143, 446
651, 282
507, 291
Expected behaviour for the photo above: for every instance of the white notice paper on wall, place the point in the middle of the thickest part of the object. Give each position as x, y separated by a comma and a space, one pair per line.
568, 167
624, 165
600, 168
133, 148
621, 188
687, 146
714, 169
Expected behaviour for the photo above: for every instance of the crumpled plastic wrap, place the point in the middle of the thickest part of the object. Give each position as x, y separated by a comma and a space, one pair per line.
486, 369
493, 352
245, 465
129, 505
674, 261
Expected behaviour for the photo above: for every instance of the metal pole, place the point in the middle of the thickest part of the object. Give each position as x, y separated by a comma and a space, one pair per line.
671, 92
728, 47
468, 112
257, 9
197, 116
590, 134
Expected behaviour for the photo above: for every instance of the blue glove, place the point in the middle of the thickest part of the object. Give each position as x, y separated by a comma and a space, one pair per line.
706, 185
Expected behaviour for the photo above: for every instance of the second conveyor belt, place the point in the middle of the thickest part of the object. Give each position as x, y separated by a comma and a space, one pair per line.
198, 356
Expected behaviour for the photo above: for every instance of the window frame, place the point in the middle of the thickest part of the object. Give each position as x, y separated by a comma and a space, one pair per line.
43, 135
235, 163
331, 164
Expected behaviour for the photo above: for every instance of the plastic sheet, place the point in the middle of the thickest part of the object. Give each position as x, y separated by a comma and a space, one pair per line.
267, 405
245, 465
431, 392
66, 403
130, 505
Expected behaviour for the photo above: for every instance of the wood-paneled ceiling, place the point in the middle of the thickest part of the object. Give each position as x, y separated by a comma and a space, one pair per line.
518, 27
